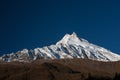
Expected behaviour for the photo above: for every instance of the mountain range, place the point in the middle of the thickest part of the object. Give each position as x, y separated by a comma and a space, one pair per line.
69, 47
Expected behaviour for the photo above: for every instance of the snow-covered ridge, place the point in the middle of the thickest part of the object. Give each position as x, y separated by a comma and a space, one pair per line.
70, 46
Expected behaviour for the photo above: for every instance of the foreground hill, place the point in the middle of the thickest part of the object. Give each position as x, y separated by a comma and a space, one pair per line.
60, 69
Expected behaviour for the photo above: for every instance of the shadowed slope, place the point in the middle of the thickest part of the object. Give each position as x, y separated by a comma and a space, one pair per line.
64, 69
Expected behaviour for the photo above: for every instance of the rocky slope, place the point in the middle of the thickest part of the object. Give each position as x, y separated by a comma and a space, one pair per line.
60, 69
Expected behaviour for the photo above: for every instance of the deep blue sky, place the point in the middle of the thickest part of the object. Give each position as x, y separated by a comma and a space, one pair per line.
30, 24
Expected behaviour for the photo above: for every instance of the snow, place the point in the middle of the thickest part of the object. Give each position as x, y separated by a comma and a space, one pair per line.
70, 46
24, 51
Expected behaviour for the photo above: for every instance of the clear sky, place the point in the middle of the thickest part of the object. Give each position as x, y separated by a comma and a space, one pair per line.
30, 24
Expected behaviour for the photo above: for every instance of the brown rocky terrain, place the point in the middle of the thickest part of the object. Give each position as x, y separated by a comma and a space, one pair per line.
63, 69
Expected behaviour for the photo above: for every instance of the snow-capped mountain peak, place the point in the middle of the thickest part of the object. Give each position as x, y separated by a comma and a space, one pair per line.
70, 39
70, 46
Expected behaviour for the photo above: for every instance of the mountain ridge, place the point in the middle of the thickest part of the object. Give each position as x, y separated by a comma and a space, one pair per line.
70, 46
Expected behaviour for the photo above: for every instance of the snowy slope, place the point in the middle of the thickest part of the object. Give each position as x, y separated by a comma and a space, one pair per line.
70, 46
